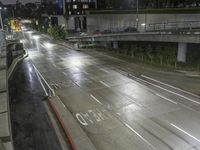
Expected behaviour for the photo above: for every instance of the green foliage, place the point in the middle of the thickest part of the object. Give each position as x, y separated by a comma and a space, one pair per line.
57, 32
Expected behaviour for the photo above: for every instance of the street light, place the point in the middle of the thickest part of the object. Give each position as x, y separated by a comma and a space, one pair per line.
1, 16
137, 19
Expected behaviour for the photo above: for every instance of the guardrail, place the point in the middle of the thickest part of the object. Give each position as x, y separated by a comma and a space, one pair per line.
184, 25
8, 60
5, 128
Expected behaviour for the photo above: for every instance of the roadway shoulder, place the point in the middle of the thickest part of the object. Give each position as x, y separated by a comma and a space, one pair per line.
80, 140
3, 102
2, 80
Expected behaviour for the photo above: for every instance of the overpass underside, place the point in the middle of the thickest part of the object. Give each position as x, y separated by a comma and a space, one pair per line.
182, 40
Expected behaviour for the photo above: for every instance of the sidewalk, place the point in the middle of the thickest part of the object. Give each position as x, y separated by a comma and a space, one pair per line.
31, 125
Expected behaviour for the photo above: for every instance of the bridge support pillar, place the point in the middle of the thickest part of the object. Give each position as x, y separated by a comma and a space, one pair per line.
182, 51
115, 45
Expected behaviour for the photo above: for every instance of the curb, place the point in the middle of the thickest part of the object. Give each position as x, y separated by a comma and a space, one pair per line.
69, 139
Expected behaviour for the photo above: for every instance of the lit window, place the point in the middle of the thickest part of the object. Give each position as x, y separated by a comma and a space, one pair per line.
74, 6
85, 6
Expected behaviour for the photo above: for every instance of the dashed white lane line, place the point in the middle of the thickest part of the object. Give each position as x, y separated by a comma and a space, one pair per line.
165, 98
185, 132
106, 71
128, 126
104, 84
189, 99
169, 86
96, 99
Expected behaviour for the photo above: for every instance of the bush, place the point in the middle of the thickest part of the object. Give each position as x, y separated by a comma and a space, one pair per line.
57, 32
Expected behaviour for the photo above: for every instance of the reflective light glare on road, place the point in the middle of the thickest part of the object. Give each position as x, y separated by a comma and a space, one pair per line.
24, 28
77, 61
22, 41
48, 45
29, 32
36, 37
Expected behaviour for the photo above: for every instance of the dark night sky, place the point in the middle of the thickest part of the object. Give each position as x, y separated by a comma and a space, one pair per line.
14, 1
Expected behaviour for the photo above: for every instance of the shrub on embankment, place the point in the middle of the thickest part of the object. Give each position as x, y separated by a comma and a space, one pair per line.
159, 54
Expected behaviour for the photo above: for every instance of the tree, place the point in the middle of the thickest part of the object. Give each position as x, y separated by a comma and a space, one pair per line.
57, 32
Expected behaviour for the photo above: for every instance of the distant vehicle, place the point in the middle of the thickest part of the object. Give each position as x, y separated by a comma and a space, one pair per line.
83, 33
119, 30
15, 25
130, 29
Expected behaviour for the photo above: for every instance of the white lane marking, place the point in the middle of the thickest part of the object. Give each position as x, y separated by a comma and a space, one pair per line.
61, 102
85, 72
140, 136
96, 99
170, 86
106, 71
189, 99
104, 84
44, 80
118, 114
45, 91
185, 132
166, 98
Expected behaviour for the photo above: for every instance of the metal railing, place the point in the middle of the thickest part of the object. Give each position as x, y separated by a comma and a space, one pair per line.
184, 25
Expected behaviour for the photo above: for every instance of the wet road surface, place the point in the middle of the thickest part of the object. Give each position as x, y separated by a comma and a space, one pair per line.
31, 126
117, 110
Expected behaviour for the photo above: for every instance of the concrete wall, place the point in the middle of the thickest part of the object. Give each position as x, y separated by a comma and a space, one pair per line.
62, 21
71, 23
110, 21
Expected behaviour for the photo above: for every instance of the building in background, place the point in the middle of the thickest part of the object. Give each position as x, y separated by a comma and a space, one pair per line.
76, 13
68, 13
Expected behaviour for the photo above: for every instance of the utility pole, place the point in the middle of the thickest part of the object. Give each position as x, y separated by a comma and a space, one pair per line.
64, 7
137, 19
1, 20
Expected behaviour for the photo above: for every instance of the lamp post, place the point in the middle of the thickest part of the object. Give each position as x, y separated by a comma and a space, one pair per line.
1, 20
137, 19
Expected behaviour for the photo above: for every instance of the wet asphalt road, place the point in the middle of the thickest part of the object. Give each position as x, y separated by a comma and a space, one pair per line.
31, 126
118, 111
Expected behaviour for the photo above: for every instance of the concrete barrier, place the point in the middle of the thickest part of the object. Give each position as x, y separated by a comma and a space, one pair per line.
6, 142
3, 80
5, 131
74, 133
3, 62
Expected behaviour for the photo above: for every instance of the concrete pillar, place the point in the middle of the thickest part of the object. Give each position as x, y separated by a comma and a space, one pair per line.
115, 45
182, 50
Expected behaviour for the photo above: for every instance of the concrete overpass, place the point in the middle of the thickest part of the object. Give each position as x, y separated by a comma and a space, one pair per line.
180, 37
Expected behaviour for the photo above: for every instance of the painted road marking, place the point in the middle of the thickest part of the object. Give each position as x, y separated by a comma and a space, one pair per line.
44, 80
189, 99
128, 126
185, 132
96, 99
106, 71
45, 91
169, 86
166, 98
93, 116
104, 84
